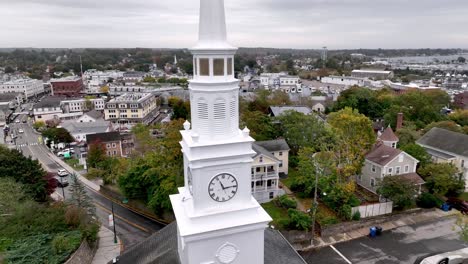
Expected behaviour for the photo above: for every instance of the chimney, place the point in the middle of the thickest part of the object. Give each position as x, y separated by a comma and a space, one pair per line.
399, 123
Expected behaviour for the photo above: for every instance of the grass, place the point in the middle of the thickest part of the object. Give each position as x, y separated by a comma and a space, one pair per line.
74, 163
279, 214
464, 196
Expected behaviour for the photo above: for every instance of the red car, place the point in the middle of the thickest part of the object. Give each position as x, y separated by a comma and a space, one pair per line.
458, 204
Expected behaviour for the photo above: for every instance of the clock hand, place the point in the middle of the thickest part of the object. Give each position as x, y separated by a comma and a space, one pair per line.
230, 187
222, 186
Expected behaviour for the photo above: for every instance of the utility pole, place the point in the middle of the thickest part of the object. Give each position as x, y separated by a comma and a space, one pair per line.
314, 205
113, 219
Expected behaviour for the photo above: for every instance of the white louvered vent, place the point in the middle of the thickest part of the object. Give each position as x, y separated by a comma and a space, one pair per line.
203, 116
219, 116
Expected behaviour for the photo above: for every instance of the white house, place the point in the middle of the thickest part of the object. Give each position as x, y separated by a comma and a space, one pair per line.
79, 105
446, 146
344, 80
47, 109
91, 116
28, 87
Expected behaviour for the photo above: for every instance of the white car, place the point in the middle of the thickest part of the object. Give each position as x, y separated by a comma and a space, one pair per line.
21, 131
454, 257
62, 173
17, 121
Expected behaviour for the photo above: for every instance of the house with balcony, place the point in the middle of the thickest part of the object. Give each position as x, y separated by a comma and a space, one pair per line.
270, 162
446, 146
385, 160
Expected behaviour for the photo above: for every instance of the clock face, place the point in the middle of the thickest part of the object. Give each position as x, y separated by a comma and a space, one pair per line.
190, 180
223, 187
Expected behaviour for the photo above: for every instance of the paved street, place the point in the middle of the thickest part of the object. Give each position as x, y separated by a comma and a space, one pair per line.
131, 227
406, 245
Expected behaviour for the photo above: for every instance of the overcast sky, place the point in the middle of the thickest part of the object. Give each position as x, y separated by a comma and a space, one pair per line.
251, 23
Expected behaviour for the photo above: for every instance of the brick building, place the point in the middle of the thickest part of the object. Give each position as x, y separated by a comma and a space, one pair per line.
461, 100
69, 86
110, 140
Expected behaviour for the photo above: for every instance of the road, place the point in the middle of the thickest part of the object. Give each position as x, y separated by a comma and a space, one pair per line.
406, 245
131, 227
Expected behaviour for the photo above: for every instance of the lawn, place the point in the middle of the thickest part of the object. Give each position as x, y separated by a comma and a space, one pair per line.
74, 163
279, 214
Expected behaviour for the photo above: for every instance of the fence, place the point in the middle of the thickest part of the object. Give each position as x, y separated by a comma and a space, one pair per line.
373, 209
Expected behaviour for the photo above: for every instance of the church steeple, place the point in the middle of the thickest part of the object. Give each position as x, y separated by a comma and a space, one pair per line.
212, 28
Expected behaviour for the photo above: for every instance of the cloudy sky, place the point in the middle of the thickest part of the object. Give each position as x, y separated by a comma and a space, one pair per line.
251, 23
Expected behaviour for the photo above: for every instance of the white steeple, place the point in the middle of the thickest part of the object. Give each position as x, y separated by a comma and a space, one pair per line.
218, 219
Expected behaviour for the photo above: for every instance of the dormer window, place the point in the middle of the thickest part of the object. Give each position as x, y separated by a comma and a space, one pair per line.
260, 159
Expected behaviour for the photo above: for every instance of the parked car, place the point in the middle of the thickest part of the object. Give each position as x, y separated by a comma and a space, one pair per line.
458, 204
61, 182
62, 173
454, 257
21, 131
17, 121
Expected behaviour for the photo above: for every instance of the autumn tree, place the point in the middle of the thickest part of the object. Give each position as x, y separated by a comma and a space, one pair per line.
354, 137
96, 154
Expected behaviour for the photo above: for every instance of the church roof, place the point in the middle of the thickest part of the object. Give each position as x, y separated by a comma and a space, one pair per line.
161, 248
388, 135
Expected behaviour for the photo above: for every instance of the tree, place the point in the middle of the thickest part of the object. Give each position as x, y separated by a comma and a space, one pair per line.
180, 108
398, 190
89, 105
417, 152
39, 125
261, 125
149, 79
407, 136
299, 220
104, 89
58, 135
11, 193
96, 154
460, 117
26, 171
368, 102
461, 59
9, 69
354, 138
442, 178
301, 130
79, 196
448, 125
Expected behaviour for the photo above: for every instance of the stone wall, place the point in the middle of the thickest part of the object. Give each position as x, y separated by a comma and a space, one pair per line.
84, 254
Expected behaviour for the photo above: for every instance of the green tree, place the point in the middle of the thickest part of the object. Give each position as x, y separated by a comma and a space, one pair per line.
417, 152
400, 191
58, 135
407, 136
299, 220
89, 105
26, 171
461, 59
79, 196
448, 125
9, 69
11, 193
460, 117
261, 125
368, 102
39, 125
442, 178
149, 79
301, 130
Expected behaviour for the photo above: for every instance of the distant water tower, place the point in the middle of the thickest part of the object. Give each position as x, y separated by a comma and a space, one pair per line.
324, 55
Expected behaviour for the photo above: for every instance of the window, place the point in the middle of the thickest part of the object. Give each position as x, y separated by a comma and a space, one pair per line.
463, 163
134, 106
390, 170
218, 67
281, 153
400, 158
115, 153
281, 165
114, 145
260, 159
397, 170
108, 145
372, 182
229, 66
257, 169
204, 67
393, 145
272, 195
406, 168
374, 169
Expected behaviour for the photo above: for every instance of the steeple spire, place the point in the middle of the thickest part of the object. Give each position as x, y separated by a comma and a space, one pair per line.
212, 31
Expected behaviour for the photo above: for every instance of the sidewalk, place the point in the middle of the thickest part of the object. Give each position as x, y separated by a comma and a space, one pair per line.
107, 249
320, 242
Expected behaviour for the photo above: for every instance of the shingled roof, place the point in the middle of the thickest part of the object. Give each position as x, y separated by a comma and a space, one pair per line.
388, 135
274, 145
446, 140
161, 248
382, 154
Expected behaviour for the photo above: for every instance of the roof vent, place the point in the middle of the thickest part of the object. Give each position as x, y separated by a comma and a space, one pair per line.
385, 156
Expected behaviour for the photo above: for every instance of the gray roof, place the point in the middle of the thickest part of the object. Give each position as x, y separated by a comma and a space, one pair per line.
262, 151
49, 102
103, 137
274, 145
279, 110
161, 248
8, 97
86, 127
382, 154
95, 114
446, 140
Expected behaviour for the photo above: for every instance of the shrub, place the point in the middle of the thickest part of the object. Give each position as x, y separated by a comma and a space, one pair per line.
356, 216
328, 220
287, 202
73, 216
345, 212
89, 231
299, 220
427, 200
60, 244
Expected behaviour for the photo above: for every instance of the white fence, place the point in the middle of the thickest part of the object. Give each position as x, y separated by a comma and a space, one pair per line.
373, 209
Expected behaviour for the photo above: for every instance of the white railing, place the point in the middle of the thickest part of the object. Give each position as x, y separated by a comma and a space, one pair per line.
263, 175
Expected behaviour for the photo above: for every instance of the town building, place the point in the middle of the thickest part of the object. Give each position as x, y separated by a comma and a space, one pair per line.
133, 78
347, 81
385, 160
372, 74
47, 109
130, 109
117, 90
446, 146
271, 161
461, 100
5, 112
81, 105
282, 81
111, 141
71, 86
217, 218
28, 87
12, 99
79, 130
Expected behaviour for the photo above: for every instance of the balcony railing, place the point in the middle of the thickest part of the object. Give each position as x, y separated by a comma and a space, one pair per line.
262, 189
263, 175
